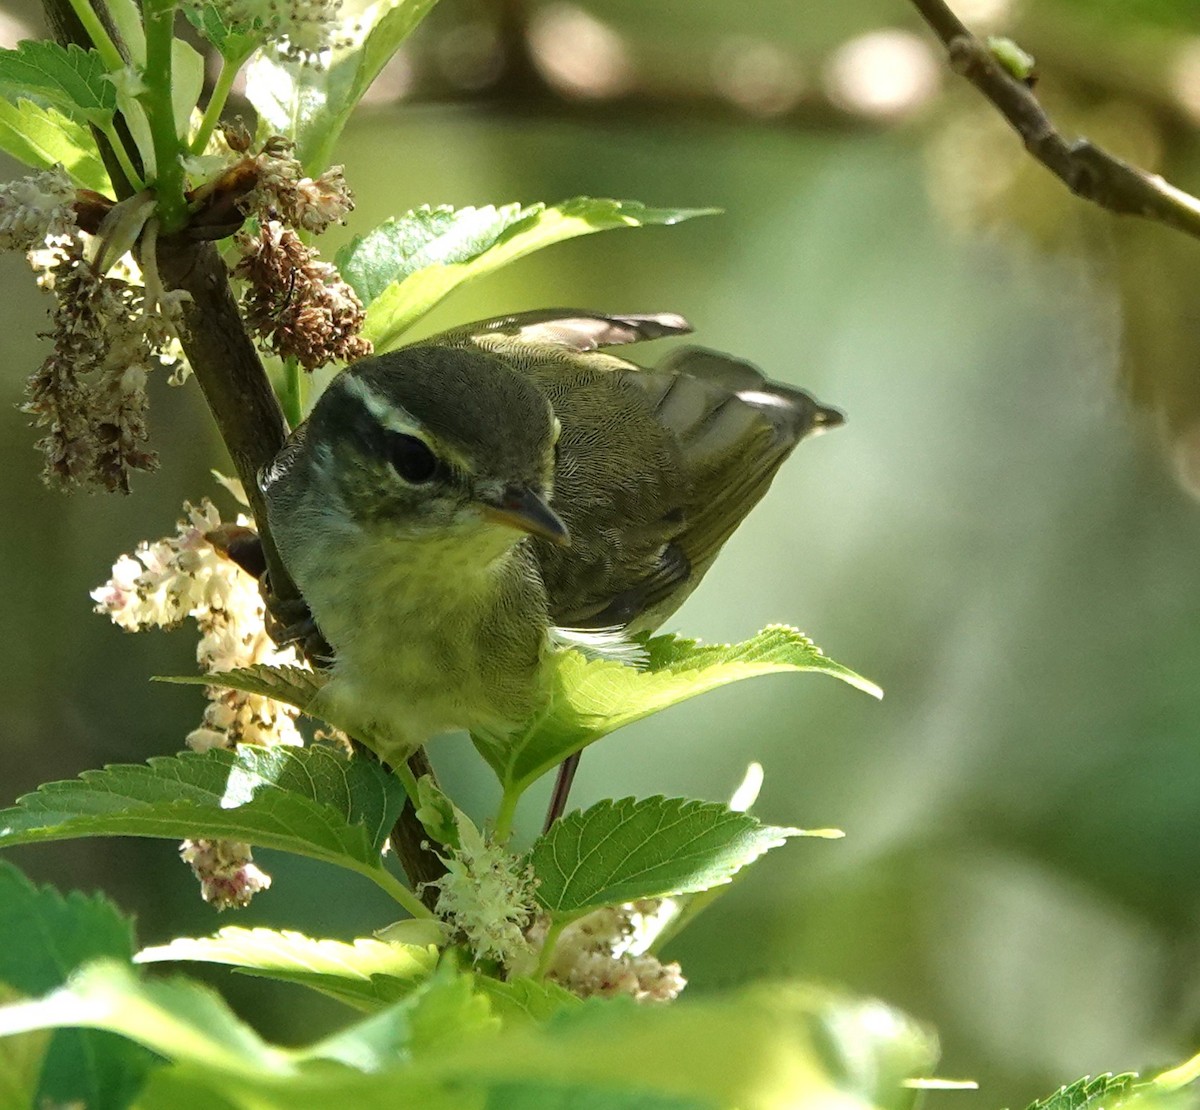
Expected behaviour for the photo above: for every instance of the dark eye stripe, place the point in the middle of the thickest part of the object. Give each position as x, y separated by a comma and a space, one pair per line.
343, 407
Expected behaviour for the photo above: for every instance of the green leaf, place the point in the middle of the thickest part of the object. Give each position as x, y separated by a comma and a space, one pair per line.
127, 18
44, 937
311, 801
311, 105
44, 137
294, 685
69, 77
47, 936
444, 1012
1104, 1091
439, 1049
437, 813
366, 973
521, 1001
175, 1018
20, 1063
424, 237
763, 1049
406, 266
234, 45
187, 83
685, 908
532, 1094
591, 698
620, 851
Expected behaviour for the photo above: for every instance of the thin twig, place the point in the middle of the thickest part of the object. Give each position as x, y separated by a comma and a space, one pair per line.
1087, 170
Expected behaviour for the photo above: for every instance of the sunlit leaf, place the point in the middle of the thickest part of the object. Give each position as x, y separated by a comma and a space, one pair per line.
767, 1049
591, 698
127, 18
424, 237
175, 1018
366, 973
405, 266
312, 801
538, 1094
1089, 1093
620, 851
234, 45
71, 78
776, 1048
311, 104
43, 137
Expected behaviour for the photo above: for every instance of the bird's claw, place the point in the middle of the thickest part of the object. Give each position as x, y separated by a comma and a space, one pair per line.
289, 621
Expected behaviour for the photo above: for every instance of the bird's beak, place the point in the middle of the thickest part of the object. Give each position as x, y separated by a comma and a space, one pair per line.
519, 507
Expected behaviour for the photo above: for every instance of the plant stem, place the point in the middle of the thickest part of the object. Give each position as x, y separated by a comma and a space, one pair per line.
409, 781
122, 156
505, 814
385, 879
101, 40
159, 19
292, 395
548, 945
1181, 1076
230, 67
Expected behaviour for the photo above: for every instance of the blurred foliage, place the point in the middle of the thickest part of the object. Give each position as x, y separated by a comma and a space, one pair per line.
1004, 536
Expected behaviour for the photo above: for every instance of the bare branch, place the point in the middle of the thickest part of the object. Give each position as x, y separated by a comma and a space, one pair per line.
232, 377
1087, 170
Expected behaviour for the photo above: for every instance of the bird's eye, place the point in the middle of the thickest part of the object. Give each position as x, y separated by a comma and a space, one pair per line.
411, 458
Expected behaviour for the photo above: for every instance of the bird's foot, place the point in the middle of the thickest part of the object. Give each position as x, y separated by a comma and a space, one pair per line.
290, 621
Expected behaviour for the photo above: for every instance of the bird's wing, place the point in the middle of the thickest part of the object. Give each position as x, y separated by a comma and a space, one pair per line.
570, 328
704, 435
734, 428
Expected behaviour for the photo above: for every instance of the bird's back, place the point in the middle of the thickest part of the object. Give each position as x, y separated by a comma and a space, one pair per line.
655, 467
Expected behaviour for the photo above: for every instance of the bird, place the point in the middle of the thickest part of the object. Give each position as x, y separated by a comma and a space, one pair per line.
456, 510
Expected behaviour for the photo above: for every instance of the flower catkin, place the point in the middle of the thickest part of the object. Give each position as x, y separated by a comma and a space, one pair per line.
598, 955
226, 870
184, 576
90, 393
487, 898
285, 194
298, 306
299, 30
36, 208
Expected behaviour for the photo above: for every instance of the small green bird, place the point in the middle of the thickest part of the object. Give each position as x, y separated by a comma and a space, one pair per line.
454, 510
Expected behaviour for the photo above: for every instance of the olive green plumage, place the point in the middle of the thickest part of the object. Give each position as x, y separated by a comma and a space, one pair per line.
447, 503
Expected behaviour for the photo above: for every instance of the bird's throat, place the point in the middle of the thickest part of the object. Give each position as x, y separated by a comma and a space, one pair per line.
432, 635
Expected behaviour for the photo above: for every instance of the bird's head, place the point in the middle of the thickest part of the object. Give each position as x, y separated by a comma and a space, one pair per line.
434, 441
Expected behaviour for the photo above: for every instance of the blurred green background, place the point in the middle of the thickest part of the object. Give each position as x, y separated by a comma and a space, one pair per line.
1004, 536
